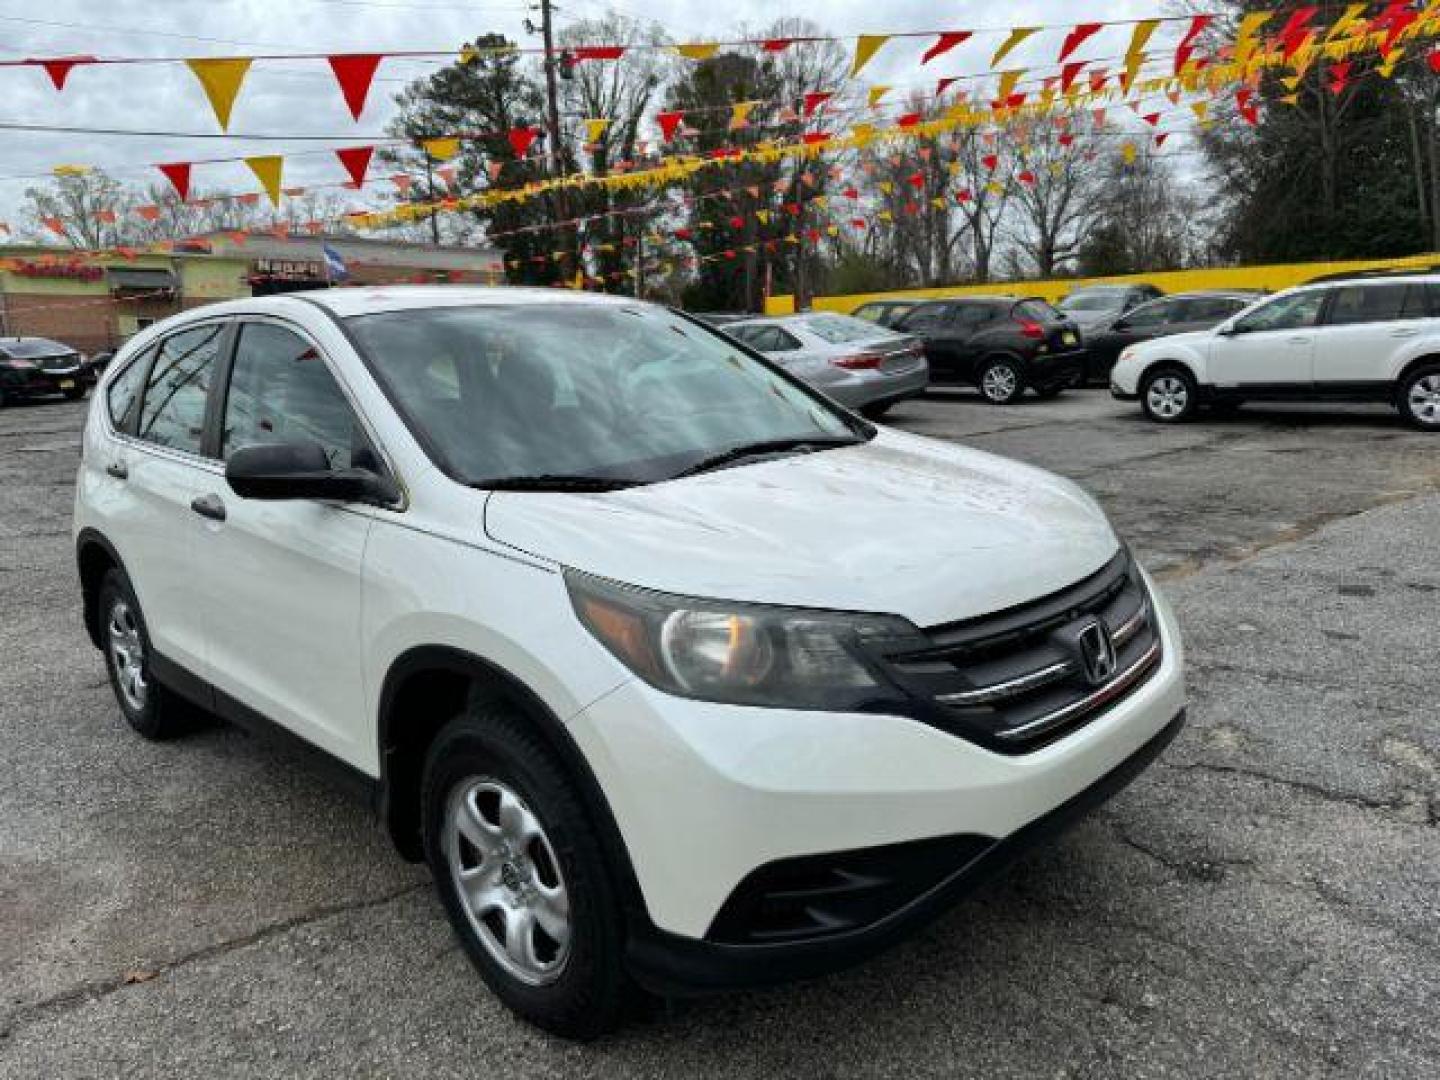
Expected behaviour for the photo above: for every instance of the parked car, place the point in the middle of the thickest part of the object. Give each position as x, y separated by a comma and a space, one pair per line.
999, 344
721, 318
1094, 305
671, 670
884, 312
1368, 339
857, 363
39, 367
1176, 314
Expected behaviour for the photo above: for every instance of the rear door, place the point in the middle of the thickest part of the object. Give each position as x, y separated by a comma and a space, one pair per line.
161, 466
932, 324
1365, 325
1271, 349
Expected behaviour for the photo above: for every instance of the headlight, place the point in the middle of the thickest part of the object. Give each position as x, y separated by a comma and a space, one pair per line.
741, 654
1125, 354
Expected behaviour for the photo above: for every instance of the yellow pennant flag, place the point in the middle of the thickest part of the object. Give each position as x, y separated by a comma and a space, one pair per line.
71, 170
938, 203
267, 170
1008, 81
1128, 152
885, 215
763, 216
740, 114
698, 50
994, 187
1201, 110
1292, 83
594, 129
886, 187
1019, 34
862, 134
1346, 23
1290, 99
220, 79
1387, 69
876, 93
441, 149
1245, 41
1141, 37
866, 46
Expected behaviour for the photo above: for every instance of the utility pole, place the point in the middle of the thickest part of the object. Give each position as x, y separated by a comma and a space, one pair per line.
552, 115
430, 190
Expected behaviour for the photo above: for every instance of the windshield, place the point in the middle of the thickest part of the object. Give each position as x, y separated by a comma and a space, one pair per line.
628, 392
1093, 300
838, 329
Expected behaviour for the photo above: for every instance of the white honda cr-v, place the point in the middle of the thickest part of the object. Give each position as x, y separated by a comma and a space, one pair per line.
677, 674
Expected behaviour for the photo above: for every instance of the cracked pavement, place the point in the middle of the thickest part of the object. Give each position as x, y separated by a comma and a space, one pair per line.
1264, 901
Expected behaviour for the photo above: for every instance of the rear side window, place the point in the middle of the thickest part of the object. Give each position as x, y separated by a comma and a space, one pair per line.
281, 391
173, 411
1038, 310
1366, 303
125, 389
973, 314
1422, 301
870, 312
1209, 308
1151, 315
927, 315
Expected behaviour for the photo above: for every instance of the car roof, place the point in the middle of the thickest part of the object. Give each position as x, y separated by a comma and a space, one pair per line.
990, 298
1428, 274
365, 300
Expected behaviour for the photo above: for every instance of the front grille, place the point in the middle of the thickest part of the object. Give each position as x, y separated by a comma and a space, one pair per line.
1017, 679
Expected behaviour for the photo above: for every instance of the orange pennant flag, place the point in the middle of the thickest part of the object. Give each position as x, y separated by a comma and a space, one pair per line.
267, 170
221, 80
866, 46
1019, 34
442, 149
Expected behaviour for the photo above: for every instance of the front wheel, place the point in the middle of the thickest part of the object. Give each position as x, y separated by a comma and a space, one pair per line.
149, 707
1420, 398
1000, 381
1168, 396
521, 874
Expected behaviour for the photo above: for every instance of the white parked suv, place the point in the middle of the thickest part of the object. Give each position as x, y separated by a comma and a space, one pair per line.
677, 674
1359, 339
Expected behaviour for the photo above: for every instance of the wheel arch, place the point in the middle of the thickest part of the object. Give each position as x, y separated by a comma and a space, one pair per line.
1409, 367
94, 557
1170, 360
423, 690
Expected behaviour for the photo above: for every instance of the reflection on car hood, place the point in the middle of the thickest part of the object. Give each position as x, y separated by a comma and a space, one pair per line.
901, 524
1190, 337
1088, 320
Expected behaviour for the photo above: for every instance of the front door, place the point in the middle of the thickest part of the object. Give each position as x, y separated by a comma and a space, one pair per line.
282, 579
1270, 349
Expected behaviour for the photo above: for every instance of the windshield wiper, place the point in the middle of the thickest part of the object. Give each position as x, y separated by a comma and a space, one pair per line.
769, 446
554, 482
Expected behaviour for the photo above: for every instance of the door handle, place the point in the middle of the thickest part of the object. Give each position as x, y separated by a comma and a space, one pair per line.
1405, 331
209, 506
118, 470
1301, 340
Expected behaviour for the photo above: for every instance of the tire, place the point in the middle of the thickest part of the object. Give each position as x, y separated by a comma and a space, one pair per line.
1419, 397
1000, 381
1168, 395
154, 711
75, 393
488, 763
877, 410
1050, 392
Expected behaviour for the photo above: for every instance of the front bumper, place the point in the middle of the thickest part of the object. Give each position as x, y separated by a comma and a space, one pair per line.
1122, 395
38, 382
706, 795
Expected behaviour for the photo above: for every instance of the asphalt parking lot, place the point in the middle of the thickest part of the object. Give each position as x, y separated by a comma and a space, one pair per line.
1264, 901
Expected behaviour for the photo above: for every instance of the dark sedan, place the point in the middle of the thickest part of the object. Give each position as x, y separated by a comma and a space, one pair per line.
884, 312
1094, 305
1177, 314
37, 367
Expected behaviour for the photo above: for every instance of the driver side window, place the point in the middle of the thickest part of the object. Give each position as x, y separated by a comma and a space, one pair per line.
1150, 315
1294, 312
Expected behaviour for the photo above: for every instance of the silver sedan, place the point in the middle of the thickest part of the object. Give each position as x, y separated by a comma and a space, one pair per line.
859, 364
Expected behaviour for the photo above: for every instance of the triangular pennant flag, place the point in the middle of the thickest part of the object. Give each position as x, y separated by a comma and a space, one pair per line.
597, 52
402, 183
178, 174
1128, 152
1160, 138
1077, 37
354, 72
669, 123
1008, 81
944, 84
148, 213
699, 50
54, 224
442, 149
1296, 31
1186, 48
740, 114
221, 81
1019, 34
356, 160
947, 41
1069, 73
866, 46
814, 100
595, 128
775, 45
267, 169
59, 68
874, 95
520, 140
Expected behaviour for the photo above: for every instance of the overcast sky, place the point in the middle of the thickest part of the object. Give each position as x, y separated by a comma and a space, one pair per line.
300, 98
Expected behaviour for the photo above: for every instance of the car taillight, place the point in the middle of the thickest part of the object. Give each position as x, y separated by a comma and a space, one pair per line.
1030, 328
860, 362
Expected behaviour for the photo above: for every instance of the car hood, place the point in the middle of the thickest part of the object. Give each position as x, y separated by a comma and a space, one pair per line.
902, 524
1190, 337
1091, 320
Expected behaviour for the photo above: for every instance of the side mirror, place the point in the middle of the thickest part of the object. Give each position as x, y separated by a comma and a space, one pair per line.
1226, 330
1121, 325
302, 470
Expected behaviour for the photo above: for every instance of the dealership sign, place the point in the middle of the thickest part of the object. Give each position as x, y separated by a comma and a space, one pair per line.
290, 269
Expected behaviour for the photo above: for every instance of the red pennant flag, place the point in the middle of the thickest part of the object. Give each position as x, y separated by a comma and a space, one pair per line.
1066, 139
990, 161
851, 193
945, 43
178, 173
521, 139
944, 84
1026, 177
354, 72
1069, 73
1186, 47
1340, 75
909, 120
814, 100
356, 160
59, 69
669, 123
1097, 80
105, 217
857, 223
775, 45
916, 179
402, 183
811, 138
1160, 139
446, 175
1434, 61
1078, 37
1151, 118
1296, 30
597, 52
54, 224
1395, 20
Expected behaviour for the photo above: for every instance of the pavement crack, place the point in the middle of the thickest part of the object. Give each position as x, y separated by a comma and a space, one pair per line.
98, 990
1319, 791
1204, 870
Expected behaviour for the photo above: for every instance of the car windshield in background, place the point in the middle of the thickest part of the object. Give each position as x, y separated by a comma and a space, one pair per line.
838, 329
1037, 309
34, 347
1093, 300
561, 390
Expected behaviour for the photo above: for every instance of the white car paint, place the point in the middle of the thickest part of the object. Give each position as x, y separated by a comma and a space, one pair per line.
299, 609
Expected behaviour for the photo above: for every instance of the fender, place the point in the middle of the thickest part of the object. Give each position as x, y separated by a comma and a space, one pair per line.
89, 539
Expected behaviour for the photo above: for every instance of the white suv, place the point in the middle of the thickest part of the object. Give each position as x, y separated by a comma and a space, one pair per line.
677, 674
1362, 339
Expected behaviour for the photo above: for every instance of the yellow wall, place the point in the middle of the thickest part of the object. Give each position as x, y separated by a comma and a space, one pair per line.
1273, 278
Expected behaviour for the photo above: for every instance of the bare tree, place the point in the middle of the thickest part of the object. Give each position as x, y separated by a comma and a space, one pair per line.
1055, 196
89, 211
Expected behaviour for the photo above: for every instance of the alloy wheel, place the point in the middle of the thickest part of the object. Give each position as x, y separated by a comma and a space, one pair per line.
508, 879
127, 654
1424, 398
999, 382
1168, 396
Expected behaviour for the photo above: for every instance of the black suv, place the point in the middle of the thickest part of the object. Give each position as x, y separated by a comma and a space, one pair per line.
33, 367
999, 344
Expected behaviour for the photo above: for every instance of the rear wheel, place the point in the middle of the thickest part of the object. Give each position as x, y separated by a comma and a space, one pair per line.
1168, 395
1000, 381
150, 708
75, 393
1420, 397
521, 874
